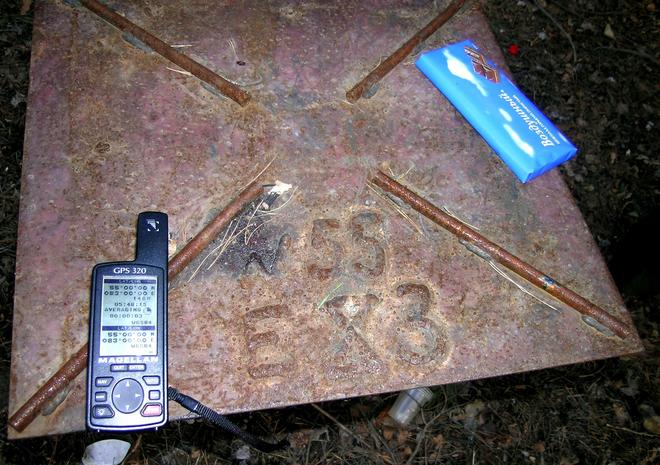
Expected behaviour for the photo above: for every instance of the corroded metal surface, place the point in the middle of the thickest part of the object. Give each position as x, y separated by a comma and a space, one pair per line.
491, 252
152, 43
356, 300
58, 385
366, 85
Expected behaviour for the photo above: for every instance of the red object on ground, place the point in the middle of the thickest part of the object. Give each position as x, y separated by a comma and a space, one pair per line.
513, 49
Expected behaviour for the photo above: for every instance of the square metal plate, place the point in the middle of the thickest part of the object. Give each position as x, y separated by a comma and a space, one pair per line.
355, 299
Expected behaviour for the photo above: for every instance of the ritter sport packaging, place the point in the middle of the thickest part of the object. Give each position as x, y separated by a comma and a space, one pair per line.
518, 132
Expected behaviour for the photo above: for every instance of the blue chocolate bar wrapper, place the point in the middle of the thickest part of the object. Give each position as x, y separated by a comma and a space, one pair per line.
515, 128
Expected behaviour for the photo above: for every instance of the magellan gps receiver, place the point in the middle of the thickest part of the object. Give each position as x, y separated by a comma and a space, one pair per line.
127, 367
127, 364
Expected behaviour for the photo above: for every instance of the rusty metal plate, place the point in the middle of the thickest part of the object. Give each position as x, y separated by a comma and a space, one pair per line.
351, 297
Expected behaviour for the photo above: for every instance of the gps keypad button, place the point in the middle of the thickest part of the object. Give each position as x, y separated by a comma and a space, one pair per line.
103, 381
102, 411
152, 410
127, 395
151, 380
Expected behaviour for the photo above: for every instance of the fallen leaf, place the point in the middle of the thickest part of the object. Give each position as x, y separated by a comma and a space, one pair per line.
175, 456
402, 436
473, 415
106, 452
301, 438
621, 413
652, 424
608, 32
650, 458
569, 460
384, 457
632, 389
506, 441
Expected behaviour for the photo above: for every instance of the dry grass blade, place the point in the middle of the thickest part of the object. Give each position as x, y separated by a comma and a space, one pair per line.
559, 26
180, 71
260, 172
226, 245
222, 244
453, 215
340, 425
422, 435
401, 176
249, 221
328, 296
389, 202
247, 239
505, 275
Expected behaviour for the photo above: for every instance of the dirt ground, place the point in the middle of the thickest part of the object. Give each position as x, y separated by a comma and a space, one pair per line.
592, 67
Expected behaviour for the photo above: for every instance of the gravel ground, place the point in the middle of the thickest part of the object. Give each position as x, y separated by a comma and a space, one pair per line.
592, 66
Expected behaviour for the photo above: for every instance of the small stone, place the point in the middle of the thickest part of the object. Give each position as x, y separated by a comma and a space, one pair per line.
587, 26
17, 99
242, 454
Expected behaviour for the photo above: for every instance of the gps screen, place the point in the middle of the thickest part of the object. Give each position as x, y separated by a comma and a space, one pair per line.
129, 315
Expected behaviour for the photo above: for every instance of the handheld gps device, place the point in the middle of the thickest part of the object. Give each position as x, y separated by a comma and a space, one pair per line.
127, 363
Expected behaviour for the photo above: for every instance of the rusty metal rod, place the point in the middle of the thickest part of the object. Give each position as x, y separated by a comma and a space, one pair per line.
56, 384
76, 364
202, 72
505, 258
406, 49
206, 235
